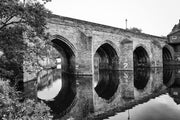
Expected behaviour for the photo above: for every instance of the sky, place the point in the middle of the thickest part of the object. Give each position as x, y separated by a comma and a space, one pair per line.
155, 17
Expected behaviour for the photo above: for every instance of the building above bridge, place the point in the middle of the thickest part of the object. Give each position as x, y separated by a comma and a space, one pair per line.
174, 40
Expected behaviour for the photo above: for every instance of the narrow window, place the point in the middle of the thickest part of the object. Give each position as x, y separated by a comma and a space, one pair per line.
174, 37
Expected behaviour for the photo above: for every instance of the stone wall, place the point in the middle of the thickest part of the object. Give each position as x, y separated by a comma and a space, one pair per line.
87, 37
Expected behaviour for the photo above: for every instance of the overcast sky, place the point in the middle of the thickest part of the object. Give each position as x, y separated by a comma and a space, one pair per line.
156, 17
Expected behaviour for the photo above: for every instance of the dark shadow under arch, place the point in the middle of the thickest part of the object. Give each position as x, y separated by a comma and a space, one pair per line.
66, 54
106, 57
141, 58
167, 56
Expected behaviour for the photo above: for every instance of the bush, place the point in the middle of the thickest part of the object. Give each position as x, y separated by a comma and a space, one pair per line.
13, 108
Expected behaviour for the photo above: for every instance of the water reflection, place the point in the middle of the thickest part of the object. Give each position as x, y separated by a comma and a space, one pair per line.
106, 83
138, 96
141, 77
174, 90
57, 89
162, 107
49, 85
50, 91
168, 76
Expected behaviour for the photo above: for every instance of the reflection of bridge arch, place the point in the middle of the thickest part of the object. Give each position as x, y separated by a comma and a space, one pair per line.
56, 89
106, 84
168, 76
167, 54
141, 57
141, 77
66, 53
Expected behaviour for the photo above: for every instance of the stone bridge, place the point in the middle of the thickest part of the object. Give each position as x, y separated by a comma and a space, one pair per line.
94, 53
90, 45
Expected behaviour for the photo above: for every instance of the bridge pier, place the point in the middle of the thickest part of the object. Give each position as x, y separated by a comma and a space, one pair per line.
126, 54
84, 54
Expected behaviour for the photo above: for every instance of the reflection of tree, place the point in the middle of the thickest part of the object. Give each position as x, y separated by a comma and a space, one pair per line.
48, 78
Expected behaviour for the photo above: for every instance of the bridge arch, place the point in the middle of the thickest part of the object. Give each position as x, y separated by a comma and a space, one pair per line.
113, 45
66, 41
105, 61
141, 57
66, 53
106, 56
167, 54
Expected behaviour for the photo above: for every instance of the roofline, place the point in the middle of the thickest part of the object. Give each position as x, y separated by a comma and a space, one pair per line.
173, 32
101, 25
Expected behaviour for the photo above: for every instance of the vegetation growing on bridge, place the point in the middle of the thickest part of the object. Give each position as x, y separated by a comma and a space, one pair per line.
135, 30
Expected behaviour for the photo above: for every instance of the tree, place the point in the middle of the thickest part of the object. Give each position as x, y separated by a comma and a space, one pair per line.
135, 30
22, 30
22, 25
13, 109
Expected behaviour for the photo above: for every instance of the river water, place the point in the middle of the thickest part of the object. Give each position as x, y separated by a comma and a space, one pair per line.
162, 107
76, 96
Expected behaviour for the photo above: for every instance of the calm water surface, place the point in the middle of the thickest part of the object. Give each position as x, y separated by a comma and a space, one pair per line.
160, 108
61, 91
163, 107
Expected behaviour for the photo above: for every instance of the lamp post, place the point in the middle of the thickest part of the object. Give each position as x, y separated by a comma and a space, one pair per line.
126, 23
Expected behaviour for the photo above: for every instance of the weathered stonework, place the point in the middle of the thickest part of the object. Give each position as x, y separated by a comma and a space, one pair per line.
87, 37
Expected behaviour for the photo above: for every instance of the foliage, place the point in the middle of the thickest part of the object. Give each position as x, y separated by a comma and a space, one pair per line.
12, 109
21, 24
22, 35
135, 30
